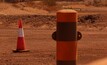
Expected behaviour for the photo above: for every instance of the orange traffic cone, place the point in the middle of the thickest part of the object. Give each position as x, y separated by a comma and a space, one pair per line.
20, 42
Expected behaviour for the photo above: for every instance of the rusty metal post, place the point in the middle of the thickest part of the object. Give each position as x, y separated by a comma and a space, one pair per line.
66, 37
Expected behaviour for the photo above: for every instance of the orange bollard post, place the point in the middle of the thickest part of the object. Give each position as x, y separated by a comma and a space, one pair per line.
66, 37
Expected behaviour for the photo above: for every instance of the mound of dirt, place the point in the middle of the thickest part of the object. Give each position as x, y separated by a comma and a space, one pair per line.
4, 6
14, 11
20, 9
29, 21
90, 18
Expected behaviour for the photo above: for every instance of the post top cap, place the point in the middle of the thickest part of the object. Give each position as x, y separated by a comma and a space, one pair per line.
67, 11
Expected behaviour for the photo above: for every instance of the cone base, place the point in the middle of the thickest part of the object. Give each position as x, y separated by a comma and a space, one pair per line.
20, 51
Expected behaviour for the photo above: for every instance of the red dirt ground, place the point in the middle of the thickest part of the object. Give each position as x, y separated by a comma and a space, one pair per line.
92, 48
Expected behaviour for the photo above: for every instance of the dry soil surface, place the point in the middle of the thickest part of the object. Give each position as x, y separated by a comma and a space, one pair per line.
91, 48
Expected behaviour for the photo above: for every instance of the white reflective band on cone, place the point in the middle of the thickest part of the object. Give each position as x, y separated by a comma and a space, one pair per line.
20, 32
